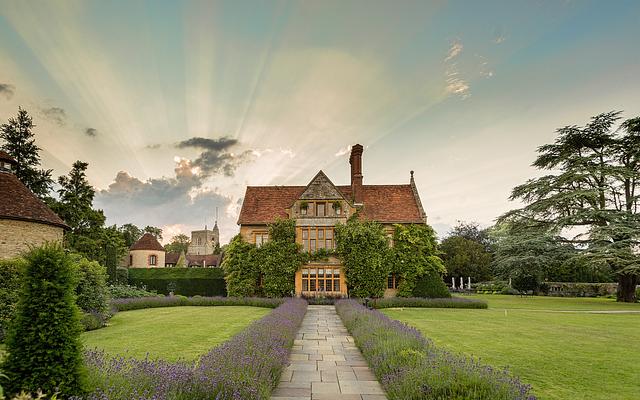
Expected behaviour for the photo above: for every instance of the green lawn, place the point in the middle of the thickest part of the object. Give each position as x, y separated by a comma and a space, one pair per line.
552, 343
171, 333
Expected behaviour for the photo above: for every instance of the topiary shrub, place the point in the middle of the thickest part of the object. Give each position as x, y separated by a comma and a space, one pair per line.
10, 273
92, 292
43, 347
431, 285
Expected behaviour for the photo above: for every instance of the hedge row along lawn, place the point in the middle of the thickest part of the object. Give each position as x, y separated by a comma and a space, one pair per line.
183, 281
171, 333
552, 343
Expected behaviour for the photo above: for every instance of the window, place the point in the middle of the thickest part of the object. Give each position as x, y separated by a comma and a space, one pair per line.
261, 238
317, 237
320, 280
392, 281
320, 209
153, 259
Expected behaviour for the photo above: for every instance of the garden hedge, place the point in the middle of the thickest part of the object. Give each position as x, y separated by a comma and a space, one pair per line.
182, 281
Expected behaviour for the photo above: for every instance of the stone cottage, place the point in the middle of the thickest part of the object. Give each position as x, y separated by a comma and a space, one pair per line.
317, 208
25, 220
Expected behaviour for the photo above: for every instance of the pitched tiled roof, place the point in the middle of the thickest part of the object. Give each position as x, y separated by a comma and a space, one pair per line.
382, 203
147, 242
264, 204
6, 157
171, 258
196, 260
18, 202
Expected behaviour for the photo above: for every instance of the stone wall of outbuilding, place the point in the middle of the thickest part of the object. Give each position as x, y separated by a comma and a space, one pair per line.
140, 258
18, 236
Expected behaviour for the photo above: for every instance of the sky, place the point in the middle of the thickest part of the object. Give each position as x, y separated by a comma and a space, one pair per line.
178, 106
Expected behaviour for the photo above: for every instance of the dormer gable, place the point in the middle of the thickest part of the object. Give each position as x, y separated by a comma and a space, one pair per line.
321, 188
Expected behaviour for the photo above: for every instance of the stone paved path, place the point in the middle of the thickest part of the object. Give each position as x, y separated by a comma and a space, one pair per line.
325, 364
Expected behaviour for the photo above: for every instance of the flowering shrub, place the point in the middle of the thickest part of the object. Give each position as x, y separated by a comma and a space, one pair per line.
177, 301
453, 302
409, 366
246, 367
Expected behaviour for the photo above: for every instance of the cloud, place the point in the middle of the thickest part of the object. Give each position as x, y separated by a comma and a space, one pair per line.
177, 204
499, 36
216, 158
458, 86
91, 132
454, 50
7, 90
55, 114
343, 150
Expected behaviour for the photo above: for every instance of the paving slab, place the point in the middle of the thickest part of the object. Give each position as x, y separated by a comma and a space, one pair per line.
325, 364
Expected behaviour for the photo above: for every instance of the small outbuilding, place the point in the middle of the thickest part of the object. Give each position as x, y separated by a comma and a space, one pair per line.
25, 220
147, 252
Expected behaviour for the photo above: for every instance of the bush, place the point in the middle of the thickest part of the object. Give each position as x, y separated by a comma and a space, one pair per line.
454, 302
10, 278
179, 301
412, 367
43, 345
509, 291
248, 366
122, 275
431, 285
183, 281
128, 292
92, 321
92, 291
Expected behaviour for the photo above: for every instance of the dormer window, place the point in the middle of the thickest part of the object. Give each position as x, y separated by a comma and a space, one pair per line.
321, 209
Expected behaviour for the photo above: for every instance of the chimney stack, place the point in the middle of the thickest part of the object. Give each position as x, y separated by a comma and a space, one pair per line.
356, 173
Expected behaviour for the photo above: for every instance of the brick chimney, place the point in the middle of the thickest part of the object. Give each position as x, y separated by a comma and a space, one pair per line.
356, 173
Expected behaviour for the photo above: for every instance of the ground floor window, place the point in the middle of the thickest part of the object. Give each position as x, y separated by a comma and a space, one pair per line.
392, 281
320, 279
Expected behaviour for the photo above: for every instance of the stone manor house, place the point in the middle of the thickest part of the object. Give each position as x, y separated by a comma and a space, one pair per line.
317, 208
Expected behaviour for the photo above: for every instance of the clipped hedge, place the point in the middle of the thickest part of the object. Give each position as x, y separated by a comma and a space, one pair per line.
179, 301
452, 302
410, 366
431, 285
10, 281
182, 281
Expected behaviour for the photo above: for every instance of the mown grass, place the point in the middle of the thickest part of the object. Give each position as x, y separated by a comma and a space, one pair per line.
550, 343
171, 333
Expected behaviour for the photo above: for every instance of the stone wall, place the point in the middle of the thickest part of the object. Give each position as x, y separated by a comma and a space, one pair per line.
140, 258
17, 236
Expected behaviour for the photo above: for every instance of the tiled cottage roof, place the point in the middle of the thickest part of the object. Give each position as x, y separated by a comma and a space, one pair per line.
212, 260
147, 242
382, 203
6, 157
18, 202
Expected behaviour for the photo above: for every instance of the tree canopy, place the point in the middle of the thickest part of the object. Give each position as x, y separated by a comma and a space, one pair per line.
588, 196
18, 140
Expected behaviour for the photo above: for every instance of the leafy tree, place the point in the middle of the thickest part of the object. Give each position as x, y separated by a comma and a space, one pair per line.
279, 259
130, 234
217, 249
43, 346
92, 291
471, 231
19, 143
241, 269
589, 195
363, 248
414, 256
467, 258
179, 243
157, 232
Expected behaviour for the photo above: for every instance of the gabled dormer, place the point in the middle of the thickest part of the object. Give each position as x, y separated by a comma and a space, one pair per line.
321, 199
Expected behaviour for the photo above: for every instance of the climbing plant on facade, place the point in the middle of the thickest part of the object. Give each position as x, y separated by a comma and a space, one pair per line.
279, 259
363, 249
414, 256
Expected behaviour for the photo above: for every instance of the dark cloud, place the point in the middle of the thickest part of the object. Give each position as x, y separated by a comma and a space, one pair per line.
55, 114
216, 157
7, 90
92, 132
163, 201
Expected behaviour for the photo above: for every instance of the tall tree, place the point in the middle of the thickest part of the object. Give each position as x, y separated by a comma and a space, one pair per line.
465, 257
589, 195
157, 232
179, 243
130, 233
19, 142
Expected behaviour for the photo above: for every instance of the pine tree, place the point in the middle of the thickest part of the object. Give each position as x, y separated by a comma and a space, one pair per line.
19, 143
